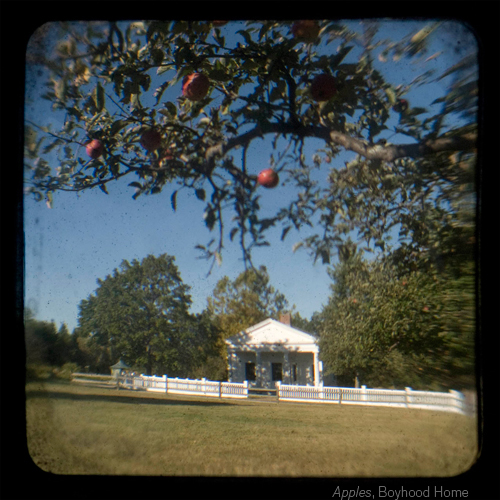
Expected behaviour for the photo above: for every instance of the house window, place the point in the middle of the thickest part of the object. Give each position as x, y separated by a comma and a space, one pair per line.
294, 373
277, 371
250, 372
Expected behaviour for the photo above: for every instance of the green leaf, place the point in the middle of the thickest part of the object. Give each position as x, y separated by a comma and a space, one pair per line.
246, 36
117, 126
338, 58
218, 258
157, 55
163, 69
416, 111
60, 88
99, 97
209, 217
200, 194
171, 108
420, 36
51, 146
233, 233
136, 185
218, 75
173, 200
50, 200
285, 232
102, 187
391, 95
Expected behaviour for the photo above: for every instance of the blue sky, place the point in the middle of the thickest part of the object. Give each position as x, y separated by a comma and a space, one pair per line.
85, 236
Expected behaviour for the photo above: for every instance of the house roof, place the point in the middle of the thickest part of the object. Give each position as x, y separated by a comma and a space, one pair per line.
271, 332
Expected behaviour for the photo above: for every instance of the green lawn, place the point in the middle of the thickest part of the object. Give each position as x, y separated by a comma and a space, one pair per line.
75, 429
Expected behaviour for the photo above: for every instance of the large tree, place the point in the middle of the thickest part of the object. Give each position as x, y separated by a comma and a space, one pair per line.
247, 300
384, 325
266, 80
140, 313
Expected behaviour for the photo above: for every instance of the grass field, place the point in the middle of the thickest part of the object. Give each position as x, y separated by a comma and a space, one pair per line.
75, 429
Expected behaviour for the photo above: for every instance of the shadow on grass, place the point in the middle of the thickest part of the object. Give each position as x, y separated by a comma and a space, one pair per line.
119, 397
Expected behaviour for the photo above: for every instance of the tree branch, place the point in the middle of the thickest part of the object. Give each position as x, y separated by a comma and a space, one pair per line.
394, 151
378, 152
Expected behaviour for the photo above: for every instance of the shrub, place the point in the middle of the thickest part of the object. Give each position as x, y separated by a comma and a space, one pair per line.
38, 372
67, 370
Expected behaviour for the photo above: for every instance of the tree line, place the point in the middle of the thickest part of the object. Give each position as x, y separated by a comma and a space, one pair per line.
382, 325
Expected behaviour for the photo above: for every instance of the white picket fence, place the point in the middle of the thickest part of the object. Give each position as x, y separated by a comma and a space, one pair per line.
201, 387
452, 401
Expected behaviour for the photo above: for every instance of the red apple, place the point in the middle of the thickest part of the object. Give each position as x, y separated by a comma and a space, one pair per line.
323, 87
219, 23
151, 139
401, 106
307, 31
268, 178
95, 148
195, 86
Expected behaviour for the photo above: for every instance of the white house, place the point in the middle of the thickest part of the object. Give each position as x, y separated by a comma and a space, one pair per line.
273, 351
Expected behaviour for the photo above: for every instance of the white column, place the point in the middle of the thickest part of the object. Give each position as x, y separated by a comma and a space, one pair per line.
286, 369
316, 369
258, 370
230, 364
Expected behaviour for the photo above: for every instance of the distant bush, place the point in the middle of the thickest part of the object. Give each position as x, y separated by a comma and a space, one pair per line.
66, 371
38, 372
46, 372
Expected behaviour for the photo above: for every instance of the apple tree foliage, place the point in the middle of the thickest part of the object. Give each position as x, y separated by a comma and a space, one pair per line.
410, 169
141, 313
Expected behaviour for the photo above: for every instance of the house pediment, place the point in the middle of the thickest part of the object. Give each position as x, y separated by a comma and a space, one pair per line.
271, 334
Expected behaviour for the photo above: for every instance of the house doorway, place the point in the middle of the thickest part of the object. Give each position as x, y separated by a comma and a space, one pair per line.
276, 372
250, 371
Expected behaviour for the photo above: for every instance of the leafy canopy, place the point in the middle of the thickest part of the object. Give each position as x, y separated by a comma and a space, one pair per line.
113, 81
385, 325
141, 313
244, 302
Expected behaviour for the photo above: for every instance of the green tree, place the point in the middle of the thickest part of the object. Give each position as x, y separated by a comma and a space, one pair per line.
44, 343
109, 81
237, 305
141, 313
91, 352
381, 327
64, 344
204, 357
41, 341
249, 299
